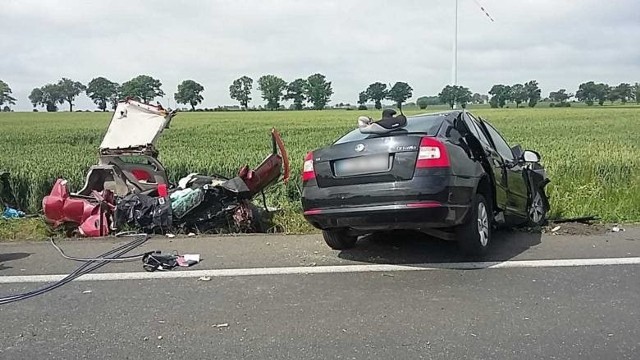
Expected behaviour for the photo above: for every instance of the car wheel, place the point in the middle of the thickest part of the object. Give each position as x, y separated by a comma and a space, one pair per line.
537, 210
339, 239
474, 236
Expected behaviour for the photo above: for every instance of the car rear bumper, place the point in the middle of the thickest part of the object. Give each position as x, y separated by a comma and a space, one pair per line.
414, 215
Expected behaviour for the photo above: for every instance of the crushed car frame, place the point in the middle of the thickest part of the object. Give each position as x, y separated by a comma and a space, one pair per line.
129, 186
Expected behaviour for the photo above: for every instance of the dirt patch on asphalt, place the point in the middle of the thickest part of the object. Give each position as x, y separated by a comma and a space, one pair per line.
576, 228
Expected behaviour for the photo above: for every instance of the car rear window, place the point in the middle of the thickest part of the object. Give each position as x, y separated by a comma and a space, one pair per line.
427, 124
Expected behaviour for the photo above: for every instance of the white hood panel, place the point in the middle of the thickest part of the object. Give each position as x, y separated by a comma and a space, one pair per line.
134, 125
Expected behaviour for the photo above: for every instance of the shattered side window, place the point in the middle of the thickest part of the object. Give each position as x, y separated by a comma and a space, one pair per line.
501, 145
476, 131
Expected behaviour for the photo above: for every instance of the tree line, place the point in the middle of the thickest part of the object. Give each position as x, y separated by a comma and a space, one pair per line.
315, 91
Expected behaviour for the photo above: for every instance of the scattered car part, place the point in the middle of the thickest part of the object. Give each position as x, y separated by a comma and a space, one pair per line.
90, 214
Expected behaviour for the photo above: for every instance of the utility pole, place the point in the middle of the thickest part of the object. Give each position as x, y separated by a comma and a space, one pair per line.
454, 69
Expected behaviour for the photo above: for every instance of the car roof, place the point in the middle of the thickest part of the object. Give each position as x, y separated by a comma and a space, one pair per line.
437, 119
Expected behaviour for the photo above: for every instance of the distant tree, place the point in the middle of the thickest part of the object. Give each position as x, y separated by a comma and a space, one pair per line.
143, 88
533, 92
519, 94
464, 96
612, 94
477, 98
240, 90
448, 95
400, 92
296, 91
602, 93
587, 92
102, 91
377, 92
36, 97
500, 95
455, 94
362, 98
624, 92
636, 92
69, 89
318, 91
271, 87
5, 94
48, 96
422, 102
189, 92
560, 96
6, 108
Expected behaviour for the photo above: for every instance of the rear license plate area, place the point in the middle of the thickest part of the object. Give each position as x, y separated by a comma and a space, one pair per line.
362, 165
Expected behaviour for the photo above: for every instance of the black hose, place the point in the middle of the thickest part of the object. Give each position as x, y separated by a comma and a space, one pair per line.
86, 268
119, 259
82, 270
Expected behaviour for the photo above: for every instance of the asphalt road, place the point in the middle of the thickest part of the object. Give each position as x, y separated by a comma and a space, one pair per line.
528, 309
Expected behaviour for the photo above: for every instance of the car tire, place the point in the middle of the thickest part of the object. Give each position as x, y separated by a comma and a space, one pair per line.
537, 209
474, 236
339, 239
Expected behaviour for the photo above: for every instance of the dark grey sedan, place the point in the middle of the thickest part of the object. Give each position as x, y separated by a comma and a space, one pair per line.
448, 174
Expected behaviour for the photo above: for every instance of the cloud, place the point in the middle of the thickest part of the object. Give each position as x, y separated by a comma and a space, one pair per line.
354, 43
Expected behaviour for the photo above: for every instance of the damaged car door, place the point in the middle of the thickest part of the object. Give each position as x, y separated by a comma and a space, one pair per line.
493, 162
516, 186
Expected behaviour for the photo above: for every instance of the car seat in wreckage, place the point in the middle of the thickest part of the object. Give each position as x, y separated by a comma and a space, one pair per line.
127, 163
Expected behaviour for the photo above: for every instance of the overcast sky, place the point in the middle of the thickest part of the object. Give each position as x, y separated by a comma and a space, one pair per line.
561, 43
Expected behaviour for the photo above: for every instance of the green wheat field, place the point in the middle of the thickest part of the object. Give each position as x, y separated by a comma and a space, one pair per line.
592, 154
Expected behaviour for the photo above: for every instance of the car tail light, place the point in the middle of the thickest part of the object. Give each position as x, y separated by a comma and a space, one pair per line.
432, 154
307, 170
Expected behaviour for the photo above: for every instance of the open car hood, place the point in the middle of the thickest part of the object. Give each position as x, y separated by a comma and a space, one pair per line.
135, 126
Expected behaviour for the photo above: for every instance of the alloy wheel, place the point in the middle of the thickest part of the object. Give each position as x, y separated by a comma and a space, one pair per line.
483, 224
536, 210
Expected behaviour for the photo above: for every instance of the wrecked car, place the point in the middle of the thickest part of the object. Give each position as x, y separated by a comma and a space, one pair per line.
449, 174
129, 187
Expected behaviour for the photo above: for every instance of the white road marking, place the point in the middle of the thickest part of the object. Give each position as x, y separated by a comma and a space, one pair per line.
510, 264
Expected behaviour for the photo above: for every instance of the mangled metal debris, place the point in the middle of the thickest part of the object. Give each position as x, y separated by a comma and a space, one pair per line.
137, 194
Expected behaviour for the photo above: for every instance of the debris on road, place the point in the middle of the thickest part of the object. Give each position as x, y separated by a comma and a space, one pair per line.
617, 228
204, 278
122, 193
575, 228
157, 260
221, 325
87, 292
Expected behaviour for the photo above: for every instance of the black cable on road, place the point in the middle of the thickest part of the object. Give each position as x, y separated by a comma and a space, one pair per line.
86, 268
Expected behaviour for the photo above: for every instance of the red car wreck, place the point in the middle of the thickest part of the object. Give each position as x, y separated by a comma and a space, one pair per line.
129, 187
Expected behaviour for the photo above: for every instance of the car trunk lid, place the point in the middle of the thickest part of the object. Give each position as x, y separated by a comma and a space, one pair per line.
378, 159
135, 125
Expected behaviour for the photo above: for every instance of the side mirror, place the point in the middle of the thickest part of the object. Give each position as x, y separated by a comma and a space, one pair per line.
531, 156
